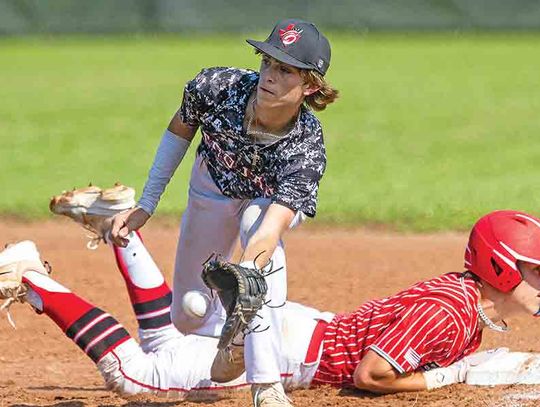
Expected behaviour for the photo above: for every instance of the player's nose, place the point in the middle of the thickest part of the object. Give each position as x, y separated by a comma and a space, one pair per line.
268, 75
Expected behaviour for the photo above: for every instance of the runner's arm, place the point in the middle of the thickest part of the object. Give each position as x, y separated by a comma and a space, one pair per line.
376, 375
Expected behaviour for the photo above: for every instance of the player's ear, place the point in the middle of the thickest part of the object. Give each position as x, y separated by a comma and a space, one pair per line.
313, 82
310, 89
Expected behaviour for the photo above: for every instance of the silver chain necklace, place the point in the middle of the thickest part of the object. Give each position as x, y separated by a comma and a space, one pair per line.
488, 322
264, 135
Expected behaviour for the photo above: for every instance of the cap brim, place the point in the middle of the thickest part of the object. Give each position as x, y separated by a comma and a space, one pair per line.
278, 54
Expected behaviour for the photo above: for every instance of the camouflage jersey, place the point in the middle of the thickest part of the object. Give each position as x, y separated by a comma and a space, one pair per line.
287, 171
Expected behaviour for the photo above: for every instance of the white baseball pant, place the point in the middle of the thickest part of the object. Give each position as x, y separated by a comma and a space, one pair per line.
211, 224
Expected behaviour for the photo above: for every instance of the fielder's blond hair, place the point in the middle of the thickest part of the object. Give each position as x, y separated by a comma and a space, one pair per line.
324, 96
321, 98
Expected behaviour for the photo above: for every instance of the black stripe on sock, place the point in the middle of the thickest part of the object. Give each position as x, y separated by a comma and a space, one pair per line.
154, 305
96, 351
83, 321
95, 331
155, 322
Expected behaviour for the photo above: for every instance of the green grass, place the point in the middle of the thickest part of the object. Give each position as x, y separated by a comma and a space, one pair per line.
431, 131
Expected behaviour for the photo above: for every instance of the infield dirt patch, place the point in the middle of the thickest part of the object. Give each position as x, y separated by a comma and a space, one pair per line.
332, 269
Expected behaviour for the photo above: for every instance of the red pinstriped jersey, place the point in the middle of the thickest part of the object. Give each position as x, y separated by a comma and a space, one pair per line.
433, 323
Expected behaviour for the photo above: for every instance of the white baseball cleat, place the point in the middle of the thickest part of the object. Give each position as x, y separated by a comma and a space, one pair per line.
92, 207
270, 395
15, 260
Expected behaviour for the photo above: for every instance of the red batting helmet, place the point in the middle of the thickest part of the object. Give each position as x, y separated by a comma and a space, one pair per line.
497, 241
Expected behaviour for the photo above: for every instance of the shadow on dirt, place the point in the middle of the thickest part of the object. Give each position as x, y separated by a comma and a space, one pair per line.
79, 400
61, 404
82, 404
67, 388
357, 393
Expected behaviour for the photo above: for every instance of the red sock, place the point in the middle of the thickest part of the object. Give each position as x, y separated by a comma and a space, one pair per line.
93, 330
152, 305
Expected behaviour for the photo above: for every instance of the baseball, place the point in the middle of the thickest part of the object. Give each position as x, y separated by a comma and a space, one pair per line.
195, 304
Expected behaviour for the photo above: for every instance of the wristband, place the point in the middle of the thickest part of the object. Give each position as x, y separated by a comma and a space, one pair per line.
443, 376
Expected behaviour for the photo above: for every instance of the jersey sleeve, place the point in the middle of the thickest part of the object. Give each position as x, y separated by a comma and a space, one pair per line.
195, 101
298, 182
208, 91
426, 334
204, 92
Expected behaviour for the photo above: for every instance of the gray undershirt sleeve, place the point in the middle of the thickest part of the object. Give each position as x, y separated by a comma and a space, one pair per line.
169, 154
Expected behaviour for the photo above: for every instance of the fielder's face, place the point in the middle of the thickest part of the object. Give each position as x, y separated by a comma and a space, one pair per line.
527, 293
280, 85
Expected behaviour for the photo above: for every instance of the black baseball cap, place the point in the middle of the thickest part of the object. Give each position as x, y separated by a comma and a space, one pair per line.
297, 43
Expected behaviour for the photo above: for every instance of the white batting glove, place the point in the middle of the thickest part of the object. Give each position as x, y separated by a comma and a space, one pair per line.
457, 372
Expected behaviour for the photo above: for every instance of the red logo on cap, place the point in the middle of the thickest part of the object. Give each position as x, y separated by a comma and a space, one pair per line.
290, 35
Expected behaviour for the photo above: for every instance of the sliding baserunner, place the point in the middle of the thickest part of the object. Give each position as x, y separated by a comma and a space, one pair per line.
417, 339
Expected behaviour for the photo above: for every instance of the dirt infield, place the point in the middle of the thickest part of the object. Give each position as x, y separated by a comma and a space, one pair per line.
334, 270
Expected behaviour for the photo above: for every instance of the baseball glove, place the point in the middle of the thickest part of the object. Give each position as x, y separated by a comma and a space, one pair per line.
241, 291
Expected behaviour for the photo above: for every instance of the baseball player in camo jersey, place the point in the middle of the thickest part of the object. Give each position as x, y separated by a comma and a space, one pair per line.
421, 338
256, 174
